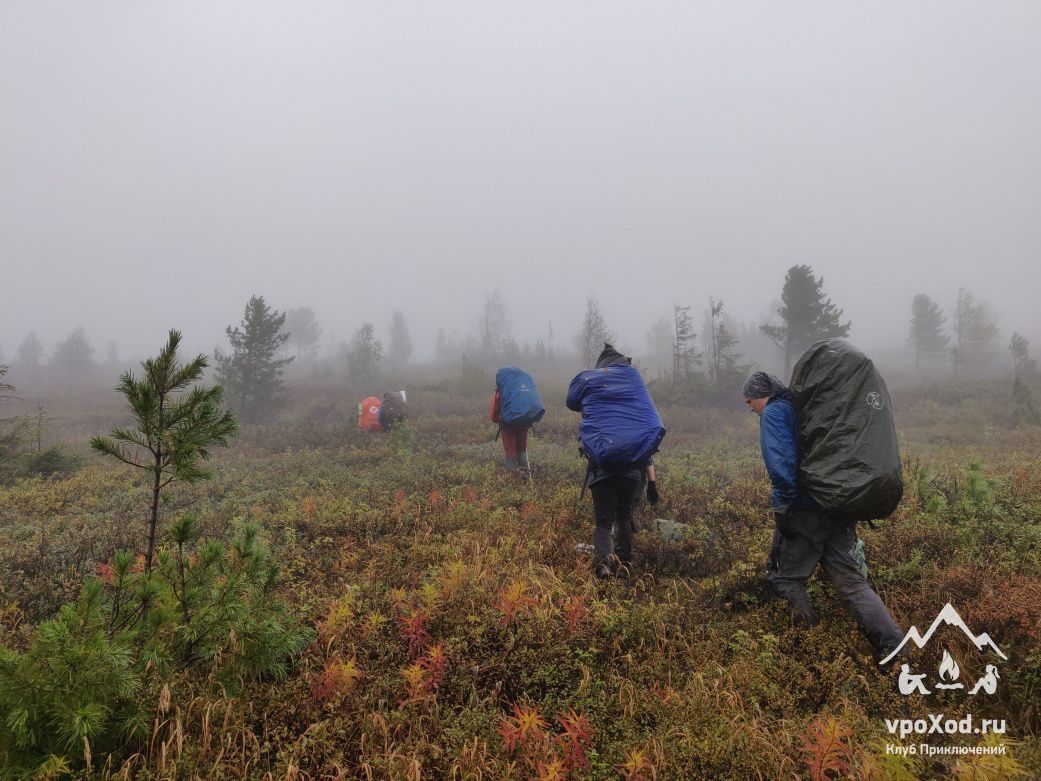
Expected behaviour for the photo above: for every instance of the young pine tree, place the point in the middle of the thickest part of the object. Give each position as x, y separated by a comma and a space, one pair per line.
252, 373
926, 337
807, 315
174, 428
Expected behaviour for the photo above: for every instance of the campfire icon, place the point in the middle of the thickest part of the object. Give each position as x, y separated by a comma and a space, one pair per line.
949, 671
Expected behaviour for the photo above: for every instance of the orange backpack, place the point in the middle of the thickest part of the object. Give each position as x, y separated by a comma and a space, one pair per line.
369, 414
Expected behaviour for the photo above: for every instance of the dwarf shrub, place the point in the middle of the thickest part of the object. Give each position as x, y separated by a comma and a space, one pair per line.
209, 606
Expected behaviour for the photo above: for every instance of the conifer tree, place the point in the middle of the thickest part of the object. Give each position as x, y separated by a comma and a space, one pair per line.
807, 315
590, 340
399, 350
364, 354
926, 337
493, 328
73, 359
252, 374
722, 358
175, 428
1024, 368
684, 352
303, 330
30, 356
974, 333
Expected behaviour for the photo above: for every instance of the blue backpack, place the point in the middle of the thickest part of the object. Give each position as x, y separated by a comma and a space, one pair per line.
620, 427
519, 402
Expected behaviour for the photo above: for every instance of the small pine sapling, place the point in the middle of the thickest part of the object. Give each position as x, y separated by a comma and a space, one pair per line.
175, 430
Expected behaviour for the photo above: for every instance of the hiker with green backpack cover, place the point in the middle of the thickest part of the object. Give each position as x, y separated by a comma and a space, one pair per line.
830, 466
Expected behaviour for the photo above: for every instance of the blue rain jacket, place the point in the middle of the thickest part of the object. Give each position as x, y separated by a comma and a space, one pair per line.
779, 442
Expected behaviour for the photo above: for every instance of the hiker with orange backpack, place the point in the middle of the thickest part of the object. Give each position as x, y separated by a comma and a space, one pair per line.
516, 407
369, 414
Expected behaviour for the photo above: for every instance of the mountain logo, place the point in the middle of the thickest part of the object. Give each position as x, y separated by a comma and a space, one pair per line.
950, 617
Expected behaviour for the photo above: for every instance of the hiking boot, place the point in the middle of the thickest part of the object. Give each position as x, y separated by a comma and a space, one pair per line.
625, 570
603, 571
523, 466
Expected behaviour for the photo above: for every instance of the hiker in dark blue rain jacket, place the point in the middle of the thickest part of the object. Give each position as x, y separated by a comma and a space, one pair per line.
615, 493
804, 534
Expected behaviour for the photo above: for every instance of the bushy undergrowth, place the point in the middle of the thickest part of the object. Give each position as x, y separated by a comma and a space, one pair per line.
83, 685
459, 635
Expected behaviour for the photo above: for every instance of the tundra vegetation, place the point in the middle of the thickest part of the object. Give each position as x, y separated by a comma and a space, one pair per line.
307, 600
332, 604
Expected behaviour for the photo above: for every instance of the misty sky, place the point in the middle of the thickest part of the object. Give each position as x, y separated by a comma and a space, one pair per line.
161, 161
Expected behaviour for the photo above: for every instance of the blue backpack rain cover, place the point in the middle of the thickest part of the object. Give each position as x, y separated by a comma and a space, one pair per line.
519, 402
620, 427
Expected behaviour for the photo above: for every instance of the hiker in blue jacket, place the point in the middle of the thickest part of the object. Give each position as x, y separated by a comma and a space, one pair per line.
803, 534
615, 494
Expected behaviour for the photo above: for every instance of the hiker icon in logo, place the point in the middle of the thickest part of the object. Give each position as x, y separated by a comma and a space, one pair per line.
989, 681
910, 682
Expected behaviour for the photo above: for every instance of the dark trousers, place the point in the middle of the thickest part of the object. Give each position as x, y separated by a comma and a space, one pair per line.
613, 501
833, 546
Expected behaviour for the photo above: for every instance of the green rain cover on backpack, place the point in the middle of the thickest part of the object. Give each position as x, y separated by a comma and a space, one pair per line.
849, 454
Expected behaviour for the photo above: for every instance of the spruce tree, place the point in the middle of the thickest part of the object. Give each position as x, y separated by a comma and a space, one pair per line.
807, 315
174, 428
252, 374
926, 337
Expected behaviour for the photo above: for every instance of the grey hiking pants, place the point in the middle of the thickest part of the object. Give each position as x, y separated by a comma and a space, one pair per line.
833, 546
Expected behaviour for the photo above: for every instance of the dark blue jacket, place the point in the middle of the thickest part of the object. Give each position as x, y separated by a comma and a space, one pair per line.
779, 441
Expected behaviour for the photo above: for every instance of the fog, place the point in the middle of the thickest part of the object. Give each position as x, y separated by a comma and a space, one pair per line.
161, 162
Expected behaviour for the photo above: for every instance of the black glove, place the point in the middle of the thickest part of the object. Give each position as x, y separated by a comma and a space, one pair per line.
784, 525
652, 492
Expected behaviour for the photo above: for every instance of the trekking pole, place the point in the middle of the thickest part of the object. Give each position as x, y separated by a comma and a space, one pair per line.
582, 493
498, 431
